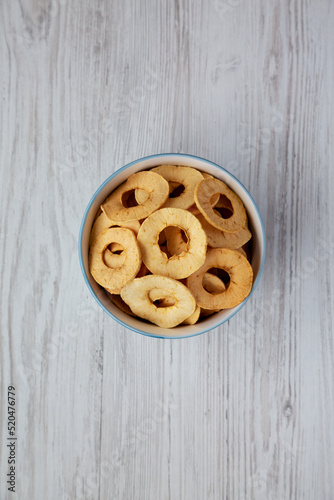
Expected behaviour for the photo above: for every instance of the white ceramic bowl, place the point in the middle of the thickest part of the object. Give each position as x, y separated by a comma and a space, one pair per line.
255, 223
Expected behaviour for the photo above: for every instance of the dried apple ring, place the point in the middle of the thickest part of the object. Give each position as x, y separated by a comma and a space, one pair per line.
114, 279
204, 192
137, 295
178, 266
153, 183
220, 239
187, 176
241, 279
102, 223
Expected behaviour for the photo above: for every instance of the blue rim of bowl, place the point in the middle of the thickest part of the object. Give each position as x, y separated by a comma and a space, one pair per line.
142, 332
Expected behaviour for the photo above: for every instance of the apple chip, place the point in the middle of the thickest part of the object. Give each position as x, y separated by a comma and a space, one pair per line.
204, 192
177, 266
137, 295
239, 287
115, 278
154, 184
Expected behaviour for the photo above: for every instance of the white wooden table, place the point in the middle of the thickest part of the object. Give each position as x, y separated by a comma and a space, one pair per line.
243, 412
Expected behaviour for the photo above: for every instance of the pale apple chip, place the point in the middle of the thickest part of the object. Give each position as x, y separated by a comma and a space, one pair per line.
204, 192
114, 279
177, 266
186, 176
239, 287
137, 295
154, 184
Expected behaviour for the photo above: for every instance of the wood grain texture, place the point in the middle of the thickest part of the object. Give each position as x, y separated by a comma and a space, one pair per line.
245, 411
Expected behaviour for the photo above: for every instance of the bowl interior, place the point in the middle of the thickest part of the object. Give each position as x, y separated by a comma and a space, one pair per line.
257, 243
